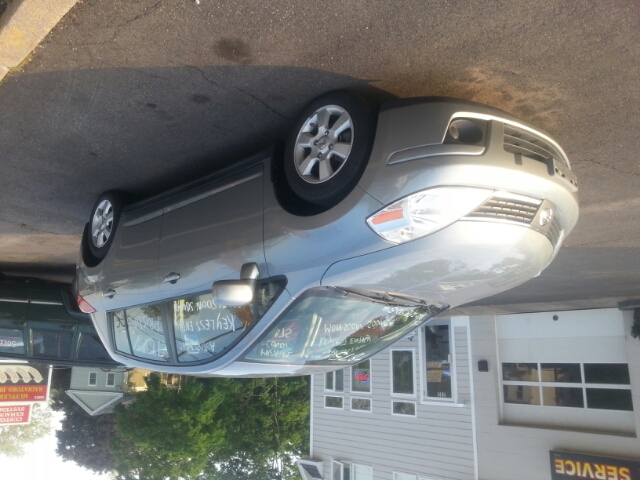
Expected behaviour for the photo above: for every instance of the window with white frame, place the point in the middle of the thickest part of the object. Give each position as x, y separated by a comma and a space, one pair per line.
402, 373
403, 408
438, 350
361, 472
340, 470
334, 381
403, 476
331, 401
111, 379
603, 386
93, 379
360, 404
361, 377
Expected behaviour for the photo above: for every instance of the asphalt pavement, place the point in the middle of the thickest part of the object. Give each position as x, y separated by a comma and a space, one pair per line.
140, 96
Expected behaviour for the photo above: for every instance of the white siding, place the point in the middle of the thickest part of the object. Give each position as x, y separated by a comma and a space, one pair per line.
437, 442
80, 380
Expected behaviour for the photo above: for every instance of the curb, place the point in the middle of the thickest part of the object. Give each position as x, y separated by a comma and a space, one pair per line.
23, 25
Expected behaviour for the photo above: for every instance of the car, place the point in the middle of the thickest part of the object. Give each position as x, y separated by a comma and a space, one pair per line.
40, 323
366, 223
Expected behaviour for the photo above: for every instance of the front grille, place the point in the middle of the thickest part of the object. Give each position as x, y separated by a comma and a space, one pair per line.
530, 145
506, 209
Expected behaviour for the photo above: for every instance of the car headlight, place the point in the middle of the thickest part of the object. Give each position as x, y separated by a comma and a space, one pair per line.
425, 212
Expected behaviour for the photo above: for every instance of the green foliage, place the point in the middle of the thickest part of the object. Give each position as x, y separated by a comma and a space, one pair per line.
167, 433
14, 438
216, 428
82, 438
267, 425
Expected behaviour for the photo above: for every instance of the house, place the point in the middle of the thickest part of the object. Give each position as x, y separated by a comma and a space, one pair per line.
99, 390
546, 395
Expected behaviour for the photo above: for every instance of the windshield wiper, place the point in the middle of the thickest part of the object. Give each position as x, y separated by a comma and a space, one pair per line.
385, 298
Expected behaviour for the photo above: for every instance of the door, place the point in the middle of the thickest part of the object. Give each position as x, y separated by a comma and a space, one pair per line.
209, 232
130, 269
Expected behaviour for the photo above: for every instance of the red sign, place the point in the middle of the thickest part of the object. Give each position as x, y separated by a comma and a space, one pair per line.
23, 383
362, 377
14, 414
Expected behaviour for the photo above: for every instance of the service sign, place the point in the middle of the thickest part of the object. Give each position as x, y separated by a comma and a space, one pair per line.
24, 383
566, 465
15, 414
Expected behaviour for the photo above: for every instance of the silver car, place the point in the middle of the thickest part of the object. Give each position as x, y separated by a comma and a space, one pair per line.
367, 223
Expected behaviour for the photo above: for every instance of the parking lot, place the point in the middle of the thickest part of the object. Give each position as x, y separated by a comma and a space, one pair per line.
140, 97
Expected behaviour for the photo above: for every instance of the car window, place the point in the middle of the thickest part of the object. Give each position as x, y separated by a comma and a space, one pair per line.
51, 344
140, 331
202, 329
91, 348
328, 325
12, 341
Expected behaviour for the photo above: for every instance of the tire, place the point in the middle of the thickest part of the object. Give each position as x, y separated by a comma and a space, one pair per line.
103, 223
329, 147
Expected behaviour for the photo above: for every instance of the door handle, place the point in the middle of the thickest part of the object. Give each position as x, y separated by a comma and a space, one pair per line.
109, 293
172, 278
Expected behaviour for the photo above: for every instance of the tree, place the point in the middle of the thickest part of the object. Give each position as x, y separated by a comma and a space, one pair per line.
82, 438
167, 433
267, 425
14, 438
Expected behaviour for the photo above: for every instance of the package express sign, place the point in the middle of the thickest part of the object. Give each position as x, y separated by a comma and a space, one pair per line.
23, 383
566, 465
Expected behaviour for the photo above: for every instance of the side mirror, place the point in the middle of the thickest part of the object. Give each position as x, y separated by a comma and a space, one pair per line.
236, 293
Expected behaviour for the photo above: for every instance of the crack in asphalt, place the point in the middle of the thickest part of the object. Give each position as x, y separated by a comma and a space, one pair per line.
27, 227
602, 241
264, 103
611, 167
259, 100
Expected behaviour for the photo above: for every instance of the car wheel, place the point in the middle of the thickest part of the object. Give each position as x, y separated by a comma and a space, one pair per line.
329, 147
103, 223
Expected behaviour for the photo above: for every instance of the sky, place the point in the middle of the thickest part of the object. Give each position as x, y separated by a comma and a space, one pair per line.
41, 462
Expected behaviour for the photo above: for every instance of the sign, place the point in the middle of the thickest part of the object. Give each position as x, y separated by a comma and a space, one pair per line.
566, 465
24, 383
15, 414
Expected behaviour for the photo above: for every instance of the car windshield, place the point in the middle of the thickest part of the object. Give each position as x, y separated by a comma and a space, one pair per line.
328, 325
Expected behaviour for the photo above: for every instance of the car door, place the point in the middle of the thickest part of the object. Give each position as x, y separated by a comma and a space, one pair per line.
209, 232
130, 275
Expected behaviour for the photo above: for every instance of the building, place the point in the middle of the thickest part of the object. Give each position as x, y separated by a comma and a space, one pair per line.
546, 395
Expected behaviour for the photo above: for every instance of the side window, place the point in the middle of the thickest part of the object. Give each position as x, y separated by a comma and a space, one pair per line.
93, 379
439, 369
111, 379
91, 348
361, 377
140, 331
402, 372
51, 344
334, 381
12, 341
